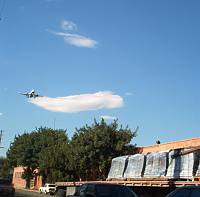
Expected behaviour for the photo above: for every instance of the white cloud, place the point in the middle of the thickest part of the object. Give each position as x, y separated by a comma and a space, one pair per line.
1, 114
70, 37
77, 40
82, 102
68, 25
105, 117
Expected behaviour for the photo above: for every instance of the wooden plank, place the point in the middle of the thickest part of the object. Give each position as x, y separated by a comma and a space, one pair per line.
149, 179
138, 183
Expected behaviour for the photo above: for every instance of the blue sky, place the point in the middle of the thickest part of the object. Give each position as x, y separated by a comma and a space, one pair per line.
138, 61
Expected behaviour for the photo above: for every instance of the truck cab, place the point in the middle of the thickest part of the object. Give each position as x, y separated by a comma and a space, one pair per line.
6, 188
99, 190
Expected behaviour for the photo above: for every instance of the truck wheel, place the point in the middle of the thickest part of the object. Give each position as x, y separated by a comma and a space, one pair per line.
60, 193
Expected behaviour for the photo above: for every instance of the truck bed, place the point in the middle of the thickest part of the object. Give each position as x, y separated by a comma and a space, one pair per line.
156, 182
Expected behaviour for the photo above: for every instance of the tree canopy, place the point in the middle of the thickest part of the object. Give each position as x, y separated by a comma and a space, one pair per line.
32, 149
94, 147
86, 156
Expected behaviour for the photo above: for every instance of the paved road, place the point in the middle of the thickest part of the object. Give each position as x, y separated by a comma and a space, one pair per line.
25, 193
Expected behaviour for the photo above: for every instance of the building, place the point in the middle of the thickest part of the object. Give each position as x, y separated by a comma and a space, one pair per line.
189, 143
19, 182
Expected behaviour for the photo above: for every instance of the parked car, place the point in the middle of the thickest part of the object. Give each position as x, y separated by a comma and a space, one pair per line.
6, 188
48, 188
186, 191
99, 190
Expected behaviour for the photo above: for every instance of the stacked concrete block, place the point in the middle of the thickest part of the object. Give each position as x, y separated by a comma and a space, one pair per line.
174, 164
135, 167
118, 166
196, 168
156, 165
180, 166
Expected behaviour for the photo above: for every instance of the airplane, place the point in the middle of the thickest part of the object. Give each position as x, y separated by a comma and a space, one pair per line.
30, 94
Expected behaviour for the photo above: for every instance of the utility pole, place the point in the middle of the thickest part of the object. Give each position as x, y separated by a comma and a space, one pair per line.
1, 134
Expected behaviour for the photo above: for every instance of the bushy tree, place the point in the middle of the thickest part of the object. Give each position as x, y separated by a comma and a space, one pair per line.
21, 153
54, 163
86, 156
5, 170
32, 149
94, 147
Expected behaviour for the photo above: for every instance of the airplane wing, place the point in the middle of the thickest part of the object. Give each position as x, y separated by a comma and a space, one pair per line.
23, 93
30, 94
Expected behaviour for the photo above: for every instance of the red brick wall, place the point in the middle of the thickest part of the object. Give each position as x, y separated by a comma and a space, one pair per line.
189, 143
21, 183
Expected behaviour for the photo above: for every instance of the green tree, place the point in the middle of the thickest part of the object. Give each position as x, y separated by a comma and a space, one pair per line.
21, 153
31, 150
53, 159
94, 147
87, 156
5, 170
55, 165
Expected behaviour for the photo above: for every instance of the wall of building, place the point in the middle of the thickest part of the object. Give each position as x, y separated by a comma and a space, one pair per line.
37, 182
189, 143
19, 182
17, 177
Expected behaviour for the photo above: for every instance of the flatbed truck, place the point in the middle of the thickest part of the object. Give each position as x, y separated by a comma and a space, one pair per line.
142, 187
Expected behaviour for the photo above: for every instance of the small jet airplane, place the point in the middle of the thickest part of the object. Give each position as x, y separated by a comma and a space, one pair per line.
30, 94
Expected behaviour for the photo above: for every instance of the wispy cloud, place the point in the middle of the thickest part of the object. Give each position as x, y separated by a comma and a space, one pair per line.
82, 102
72, 37
77, 40
105, 117
129, 93
68, 26
1, 114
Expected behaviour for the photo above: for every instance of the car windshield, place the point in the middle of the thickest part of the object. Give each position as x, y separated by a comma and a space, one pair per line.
113, 191
52, 185
103, 190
